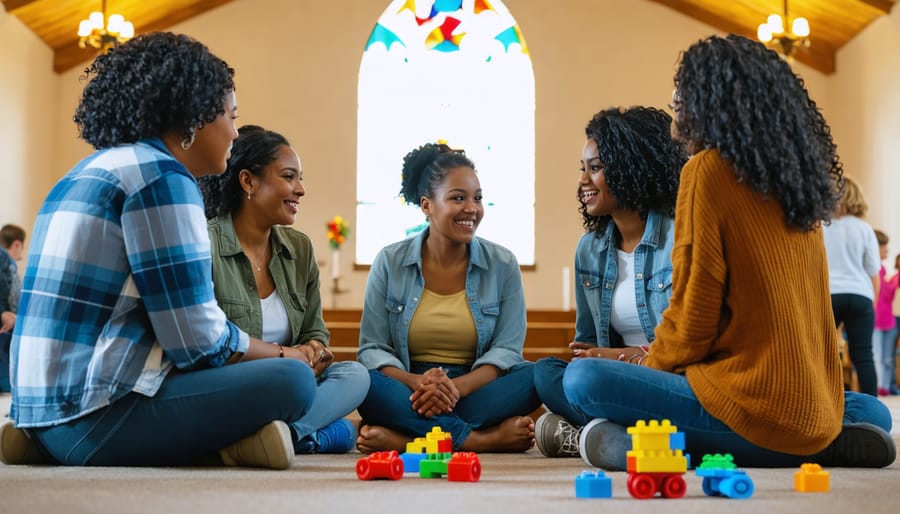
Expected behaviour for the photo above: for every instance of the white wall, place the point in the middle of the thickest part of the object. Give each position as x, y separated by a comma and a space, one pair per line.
297, 67
866, 120
28, 97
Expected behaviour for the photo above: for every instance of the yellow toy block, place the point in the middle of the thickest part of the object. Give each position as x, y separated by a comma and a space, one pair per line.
431, 443
656, 461
811, 479
651, 436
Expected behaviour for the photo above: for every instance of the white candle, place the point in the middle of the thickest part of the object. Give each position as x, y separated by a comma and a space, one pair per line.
335, 263
565, 287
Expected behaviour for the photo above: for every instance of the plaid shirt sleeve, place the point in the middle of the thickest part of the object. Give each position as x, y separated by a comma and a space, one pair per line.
167, 245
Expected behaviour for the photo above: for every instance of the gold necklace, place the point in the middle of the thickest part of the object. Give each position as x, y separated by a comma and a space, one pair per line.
255, 265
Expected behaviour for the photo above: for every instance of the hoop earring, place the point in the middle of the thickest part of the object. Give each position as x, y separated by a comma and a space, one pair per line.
188, 140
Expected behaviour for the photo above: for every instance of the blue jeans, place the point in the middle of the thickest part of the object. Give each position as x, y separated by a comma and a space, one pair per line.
884, 347
4, 362
548, 381
624, 393
511, 394
192, 416
342, 387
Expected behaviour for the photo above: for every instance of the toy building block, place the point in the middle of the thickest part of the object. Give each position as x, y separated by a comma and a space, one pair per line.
656, 462
411, 461
811, 479
464, 467
380, 465
434, 465
722, 478
652, 451
593, 485
436, 441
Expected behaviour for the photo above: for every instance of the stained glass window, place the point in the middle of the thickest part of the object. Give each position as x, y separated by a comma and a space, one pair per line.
453, 70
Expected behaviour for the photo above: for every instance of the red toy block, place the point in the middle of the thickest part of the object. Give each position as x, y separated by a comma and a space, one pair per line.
464, 467
380, 465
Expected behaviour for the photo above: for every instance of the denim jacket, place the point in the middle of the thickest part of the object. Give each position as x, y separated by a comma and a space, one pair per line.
294, 270
493, 290
596, 271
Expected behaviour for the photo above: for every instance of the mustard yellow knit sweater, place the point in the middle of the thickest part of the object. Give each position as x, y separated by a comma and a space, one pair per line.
750, 322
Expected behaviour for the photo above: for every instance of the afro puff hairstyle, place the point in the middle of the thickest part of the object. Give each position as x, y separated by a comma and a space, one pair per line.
426, 167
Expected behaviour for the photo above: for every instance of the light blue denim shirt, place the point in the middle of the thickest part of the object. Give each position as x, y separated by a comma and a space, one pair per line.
596, 271
493, 290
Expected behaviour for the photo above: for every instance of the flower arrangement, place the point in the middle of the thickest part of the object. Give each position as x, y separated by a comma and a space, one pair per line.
338, 230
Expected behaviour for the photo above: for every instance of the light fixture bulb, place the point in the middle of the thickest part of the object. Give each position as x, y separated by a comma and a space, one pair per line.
764, 33
115, 23
776, 24
127, 30
800, 27
96, 20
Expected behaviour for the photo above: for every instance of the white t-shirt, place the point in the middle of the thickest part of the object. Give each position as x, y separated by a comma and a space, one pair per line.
624, 316
276, 327
853, 259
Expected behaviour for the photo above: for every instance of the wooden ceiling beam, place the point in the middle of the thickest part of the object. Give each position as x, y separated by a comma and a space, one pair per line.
70, 55
818, 56
883, 6
12, 5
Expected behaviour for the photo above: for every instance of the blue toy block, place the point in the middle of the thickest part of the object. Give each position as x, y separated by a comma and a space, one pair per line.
593, 485
411, 461
676, 441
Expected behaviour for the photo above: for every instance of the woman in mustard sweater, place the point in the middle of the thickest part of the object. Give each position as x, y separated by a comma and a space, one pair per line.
745, 359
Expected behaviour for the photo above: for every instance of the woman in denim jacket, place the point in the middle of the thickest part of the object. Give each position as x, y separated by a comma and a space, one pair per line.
627, 188
443, 323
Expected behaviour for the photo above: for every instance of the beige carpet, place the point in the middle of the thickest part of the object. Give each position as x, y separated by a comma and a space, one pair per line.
510, 484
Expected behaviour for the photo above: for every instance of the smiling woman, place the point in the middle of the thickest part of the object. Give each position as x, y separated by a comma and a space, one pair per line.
444, 323
251, 209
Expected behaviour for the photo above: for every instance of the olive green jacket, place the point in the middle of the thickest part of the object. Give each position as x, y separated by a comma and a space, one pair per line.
294, 269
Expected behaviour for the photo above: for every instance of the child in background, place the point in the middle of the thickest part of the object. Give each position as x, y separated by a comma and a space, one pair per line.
884, 339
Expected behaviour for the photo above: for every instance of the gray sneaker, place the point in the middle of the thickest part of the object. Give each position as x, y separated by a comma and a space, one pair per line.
556, 437
604, 444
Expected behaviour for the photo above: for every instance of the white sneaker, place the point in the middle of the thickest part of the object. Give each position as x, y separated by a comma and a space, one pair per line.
604, 444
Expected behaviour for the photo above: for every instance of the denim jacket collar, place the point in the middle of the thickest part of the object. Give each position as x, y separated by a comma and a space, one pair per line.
414, 254
653, 231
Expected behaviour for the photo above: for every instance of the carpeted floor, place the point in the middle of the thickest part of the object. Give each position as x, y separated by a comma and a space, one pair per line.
510, 484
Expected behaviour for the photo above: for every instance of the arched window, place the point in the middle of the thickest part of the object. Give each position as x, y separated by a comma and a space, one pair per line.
454, 70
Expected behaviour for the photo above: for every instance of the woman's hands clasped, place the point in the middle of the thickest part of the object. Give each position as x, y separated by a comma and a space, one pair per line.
434, 394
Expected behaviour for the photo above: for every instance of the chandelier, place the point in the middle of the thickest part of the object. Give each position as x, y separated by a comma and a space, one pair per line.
103, 34
775, 34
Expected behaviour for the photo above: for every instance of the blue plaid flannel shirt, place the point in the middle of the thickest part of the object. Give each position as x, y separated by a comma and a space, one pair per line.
118, 288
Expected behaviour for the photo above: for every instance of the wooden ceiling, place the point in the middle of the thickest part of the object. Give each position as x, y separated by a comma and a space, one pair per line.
56, 21
832, 22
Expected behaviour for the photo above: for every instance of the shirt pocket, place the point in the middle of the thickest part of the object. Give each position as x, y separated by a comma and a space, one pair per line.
659, 289
490, 313
394, 310
236, 312
591, 285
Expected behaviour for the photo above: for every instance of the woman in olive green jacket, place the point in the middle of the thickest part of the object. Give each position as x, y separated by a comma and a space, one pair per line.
267, 280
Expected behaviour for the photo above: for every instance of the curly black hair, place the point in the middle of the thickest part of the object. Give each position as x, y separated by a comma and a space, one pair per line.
253, 150
641, 161
739, 97
152, 85
426, 167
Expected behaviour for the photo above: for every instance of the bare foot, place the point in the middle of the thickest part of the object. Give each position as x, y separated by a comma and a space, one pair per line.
514, 434
378, 439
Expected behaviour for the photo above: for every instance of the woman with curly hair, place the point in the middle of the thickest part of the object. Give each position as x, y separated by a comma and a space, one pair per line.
854, 262
251, 208
443, 323
121, 356
745, 359
627, 186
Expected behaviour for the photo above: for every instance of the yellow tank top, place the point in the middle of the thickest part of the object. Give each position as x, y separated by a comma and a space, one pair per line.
442, 330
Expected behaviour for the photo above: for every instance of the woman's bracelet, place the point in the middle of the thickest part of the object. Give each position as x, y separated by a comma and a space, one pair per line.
280, 352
